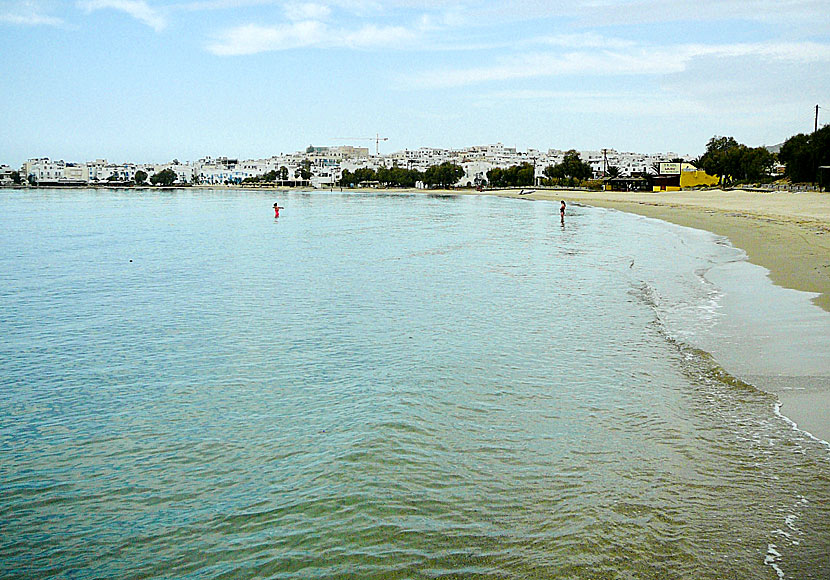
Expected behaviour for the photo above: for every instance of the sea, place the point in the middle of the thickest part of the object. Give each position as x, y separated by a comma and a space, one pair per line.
392, 385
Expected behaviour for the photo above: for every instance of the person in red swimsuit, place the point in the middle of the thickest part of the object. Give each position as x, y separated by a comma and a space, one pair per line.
277, 209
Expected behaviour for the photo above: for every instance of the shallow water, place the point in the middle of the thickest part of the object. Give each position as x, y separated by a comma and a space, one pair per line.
385, 386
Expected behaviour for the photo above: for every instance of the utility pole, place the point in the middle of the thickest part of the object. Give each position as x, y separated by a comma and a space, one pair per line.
605, 162
816, 126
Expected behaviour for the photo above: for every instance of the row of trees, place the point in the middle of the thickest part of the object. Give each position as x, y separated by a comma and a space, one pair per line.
571, 171
444, 175
515, 176
164, 178
804, 155
731, 161
303, 172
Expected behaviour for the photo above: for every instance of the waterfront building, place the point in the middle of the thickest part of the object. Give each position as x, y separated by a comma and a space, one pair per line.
6, 178
328, 163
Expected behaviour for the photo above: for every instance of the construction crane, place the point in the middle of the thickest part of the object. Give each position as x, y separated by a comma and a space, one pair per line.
377, 139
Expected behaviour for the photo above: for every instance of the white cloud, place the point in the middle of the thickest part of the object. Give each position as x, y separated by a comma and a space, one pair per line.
583, 40
138, 9
28, 13
308, 11
253, 38
621, 60
199, 5
375, 36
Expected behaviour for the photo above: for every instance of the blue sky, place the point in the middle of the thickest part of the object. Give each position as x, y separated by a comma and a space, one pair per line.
153, 80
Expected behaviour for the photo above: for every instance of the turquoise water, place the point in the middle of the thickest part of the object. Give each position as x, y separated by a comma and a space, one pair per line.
382, 386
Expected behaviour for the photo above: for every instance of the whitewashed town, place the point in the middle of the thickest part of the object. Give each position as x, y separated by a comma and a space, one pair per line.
323, 167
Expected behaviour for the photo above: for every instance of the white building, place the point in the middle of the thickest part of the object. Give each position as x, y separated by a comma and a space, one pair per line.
6, 178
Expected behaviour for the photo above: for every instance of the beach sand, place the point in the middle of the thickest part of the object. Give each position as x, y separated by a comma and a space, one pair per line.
786, 233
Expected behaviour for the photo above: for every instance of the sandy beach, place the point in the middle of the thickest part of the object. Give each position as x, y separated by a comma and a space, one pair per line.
786, 233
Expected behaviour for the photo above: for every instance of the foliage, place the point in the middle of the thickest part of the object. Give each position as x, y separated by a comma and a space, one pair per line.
357, 177
571, 171
140, 177
445, 175
16, 178
305, 170
804, 154
732, 161
398, 176
165, 178
514, 176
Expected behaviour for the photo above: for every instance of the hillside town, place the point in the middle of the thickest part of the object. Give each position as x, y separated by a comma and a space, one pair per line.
322, 167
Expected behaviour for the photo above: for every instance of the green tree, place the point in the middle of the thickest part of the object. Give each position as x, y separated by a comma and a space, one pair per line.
305, 170
16, 179
495, 177
513, 176
383, 175
718, 160
804, 154
572, 169
283, 173
525, 174
165, 178
732, 161
140, 177
406, 177
445, 175
363, 175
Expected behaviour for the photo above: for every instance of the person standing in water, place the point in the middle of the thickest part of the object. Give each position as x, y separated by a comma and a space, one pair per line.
277, 209
562, 209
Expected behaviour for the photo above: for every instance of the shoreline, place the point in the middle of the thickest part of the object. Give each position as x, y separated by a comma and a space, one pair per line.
788, 234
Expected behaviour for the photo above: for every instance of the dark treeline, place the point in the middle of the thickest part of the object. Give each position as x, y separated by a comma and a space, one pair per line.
301, 173
269, 177
444, 175
515, 176
733, 162
804, 155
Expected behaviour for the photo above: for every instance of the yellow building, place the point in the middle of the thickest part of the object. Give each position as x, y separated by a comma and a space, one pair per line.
676, 176
691, 176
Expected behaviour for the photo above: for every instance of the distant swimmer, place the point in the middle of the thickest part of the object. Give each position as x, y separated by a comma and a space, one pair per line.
562, 208
277, 209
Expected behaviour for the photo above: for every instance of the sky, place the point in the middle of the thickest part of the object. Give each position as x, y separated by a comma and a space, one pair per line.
149, 81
